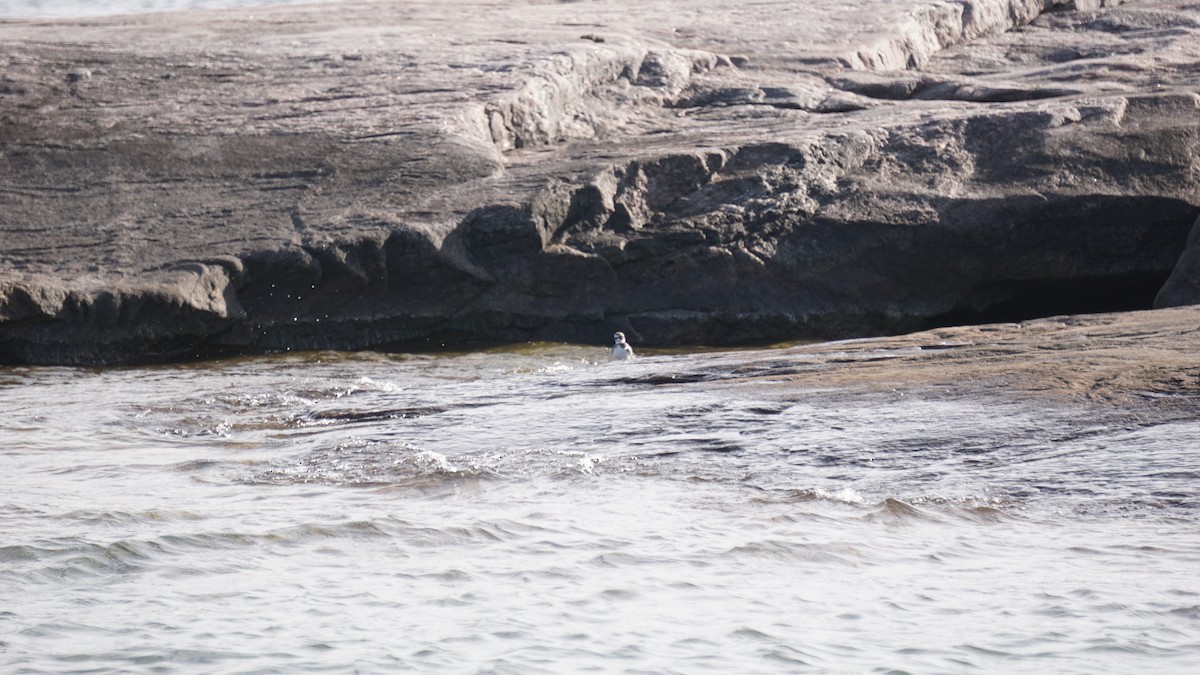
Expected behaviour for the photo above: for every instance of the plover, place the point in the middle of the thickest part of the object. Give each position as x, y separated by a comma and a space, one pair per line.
621, 348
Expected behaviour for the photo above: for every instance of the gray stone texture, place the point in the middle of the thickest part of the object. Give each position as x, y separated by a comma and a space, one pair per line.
403, 174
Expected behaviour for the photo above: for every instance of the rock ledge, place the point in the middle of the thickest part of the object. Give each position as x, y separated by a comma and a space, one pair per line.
375, 174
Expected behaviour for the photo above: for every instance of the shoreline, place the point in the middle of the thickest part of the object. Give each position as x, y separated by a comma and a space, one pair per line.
1143, 363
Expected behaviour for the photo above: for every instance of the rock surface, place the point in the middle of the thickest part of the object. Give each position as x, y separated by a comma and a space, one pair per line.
375, 174
1138, 362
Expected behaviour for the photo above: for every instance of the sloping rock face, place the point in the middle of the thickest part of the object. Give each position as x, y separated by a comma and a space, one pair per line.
1183, 286
1141, 364
382, 174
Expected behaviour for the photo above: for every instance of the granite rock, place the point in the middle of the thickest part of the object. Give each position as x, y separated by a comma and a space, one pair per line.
373, 174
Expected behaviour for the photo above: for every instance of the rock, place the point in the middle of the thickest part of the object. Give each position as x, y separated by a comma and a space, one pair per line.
685, 171
1137, 363
1183, 286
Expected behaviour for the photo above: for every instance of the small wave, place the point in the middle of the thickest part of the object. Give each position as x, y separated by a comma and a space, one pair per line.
196, 427
55, 560
437, 460
370, 384
106, 517
228, 414
255, 400
1191, 612
975, 509
842, 496
556, 368
845, 496
369, 464
384, 414
12, 554
895, 512
74, 558
588, 463
753, 634
985, 514
825, 554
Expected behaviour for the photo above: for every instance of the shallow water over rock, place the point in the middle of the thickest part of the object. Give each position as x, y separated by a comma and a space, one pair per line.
545, 510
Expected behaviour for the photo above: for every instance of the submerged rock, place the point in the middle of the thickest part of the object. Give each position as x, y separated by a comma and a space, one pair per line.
373, 174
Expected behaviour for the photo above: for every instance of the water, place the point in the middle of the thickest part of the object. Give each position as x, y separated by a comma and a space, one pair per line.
34, 9
544, 510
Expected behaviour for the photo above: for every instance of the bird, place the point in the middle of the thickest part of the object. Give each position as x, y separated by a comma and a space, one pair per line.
621, 349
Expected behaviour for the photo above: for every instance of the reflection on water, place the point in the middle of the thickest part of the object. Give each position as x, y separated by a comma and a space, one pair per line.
545, 510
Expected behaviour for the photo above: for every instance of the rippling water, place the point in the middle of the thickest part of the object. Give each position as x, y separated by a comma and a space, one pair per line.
544, 510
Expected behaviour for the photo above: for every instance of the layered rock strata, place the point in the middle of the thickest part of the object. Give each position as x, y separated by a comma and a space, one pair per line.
380, 174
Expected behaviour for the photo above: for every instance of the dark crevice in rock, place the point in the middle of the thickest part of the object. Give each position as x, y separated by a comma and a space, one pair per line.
819, 101
1018, 301
932, 89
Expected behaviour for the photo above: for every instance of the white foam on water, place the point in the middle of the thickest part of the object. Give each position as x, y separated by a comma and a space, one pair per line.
593, 519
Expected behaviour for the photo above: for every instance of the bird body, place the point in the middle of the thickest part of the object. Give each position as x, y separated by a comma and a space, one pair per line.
621, 349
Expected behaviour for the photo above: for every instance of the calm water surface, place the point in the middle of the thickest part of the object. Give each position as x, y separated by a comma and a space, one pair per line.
545, 510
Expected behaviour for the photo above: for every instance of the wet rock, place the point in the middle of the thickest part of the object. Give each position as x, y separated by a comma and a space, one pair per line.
1142, 361
685, 171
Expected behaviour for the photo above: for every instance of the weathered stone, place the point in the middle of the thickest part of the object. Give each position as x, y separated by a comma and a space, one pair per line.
378, 174
1137, 363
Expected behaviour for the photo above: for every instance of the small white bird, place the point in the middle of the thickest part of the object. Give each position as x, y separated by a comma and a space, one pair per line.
621, 348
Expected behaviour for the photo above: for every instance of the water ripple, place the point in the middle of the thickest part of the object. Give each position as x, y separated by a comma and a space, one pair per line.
544, 510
